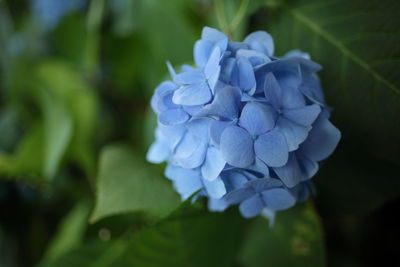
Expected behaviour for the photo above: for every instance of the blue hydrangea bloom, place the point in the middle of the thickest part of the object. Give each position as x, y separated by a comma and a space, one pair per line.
243, 127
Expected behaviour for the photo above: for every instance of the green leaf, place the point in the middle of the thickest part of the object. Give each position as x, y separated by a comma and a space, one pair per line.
352, 182
70, 232
126, 183
189, 237
357, 44
74, 101
58, 128
294, 240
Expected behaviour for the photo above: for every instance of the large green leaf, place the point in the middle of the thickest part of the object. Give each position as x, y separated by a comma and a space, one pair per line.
294, 240
357, 43
188, 237
126, 183
70, 232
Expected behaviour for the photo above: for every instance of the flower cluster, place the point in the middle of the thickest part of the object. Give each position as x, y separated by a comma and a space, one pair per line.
243, 126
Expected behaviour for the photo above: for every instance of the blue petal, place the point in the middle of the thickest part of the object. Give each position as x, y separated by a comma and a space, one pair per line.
261, 41
173, 116
243, 75
200, 127
192, 94
215, 188
173, 134
260, 168
257, 118
297, 53
290, 174
158, 152
187, 182
292, 97
161, 90
256, 58
235, 180
278, 199
308, 167
239, 195
191, 77
202, 51
322, 140
272, 91
294, 133
272, 149
260, 185
212, 68
225, 105
187, 146
304, 116
216, 37
237, 147
217, 204
251, 207
195, 160
213, 164
216, 130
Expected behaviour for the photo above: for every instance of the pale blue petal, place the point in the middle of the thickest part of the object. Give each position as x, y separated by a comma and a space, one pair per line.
187, 182
304, 116
212, 65
216, 37
164, 88
251, 207
173, 134
215, 188
237, 147
257, 118
194, 160
243, 75
158, 152
297, 53
294, 133
261, 41
202, 50
322, 140
278, 199
191, 77
272, 149
200, 127
187, 146
217, 205
173, 116
216, 130
192, 94
225, 105
213, 164
270, 215
256, 58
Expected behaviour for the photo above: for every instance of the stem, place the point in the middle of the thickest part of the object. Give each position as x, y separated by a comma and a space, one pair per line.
238, 16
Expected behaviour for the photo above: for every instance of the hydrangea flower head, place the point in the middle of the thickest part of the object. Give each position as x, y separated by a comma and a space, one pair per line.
244, 127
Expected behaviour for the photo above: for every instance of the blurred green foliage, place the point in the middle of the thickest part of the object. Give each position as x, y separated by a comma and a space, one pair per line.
75, 124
